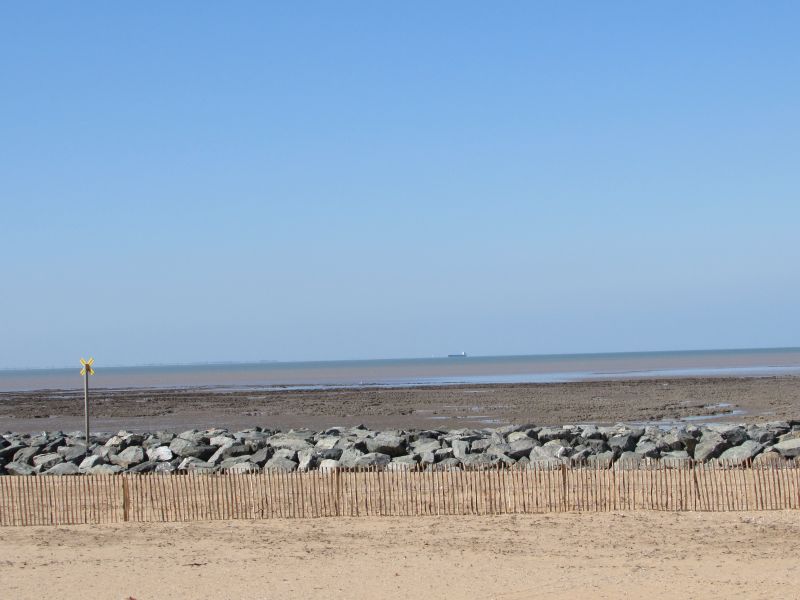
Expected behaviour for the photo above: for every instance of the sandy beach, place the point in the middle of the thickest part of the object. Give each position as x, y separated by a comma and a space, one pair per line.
698, 399
698, 555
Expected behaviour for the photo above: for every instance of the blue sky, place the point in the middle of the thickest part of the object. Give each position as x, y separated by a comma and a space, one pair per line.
196, 182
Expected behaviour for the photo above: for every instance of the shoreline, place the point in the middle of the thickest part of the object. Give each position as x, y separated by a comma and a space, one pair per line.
639, 401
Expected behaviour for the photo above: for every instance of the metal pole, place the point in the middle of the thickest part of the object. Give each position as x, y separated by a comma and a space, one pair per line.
86, 403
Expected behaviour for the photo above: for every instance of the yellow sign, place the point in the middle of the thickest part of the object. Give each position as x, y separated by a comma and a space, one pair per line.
87, 366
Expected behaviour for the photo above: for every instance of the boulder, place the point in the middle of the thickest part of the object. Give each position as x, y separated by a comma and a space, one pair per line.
9, 451
787, 449
187, 449
26, 455
19, 468
131, 456
480, 445
460, 448
547, 434
89, 462
46, 461
144, 467
480, 461
244, 467
746, 451
234, 460
349, 457
292, 442
733, 434
73, 454
64, 468
391, 445
426, 445
328, 465
647, 449
306, 460
262, 456
280, 463
160, 453
521, 448
711, 445
620, 443
373, 459
105, 470
164, 467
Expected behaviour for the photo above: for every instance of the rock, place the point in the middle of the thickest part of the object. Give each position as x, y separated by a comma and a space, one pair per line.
328, 465
187, 449
26, 455
426, 445
145, 467
479, 461
349, 457
262, 456
233, 460
221, 440
711, 445
89, 462
9, 451
164, 467
292, 442
280, 463
521, 448
622, 443
105, 470
19, 468
306, 460
244, 467
675, 458
131, 456
448, 464
787, 449
391, 445
680, 439
46, 461
160, 453
460, 448
517, 435
501, 449
742, 453
480, 445
548, 434
603, 459
73, 454
647, 449
373, 459
792, 435
733, 434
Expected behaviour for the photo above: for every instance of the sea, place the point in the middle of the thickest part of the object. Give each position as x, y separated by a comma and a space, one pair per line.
409, 372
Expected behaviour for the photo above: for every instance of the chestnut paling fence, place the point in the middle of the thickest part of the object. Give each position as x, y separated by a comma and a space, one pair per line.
717, 486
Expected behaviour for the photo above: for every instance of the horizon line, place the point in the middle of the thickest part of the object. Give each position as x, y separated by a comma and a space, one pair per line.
408, 358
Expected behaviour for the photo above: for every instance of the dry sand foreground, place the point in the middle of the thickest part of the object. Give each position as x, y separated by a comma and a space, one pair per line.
613, 555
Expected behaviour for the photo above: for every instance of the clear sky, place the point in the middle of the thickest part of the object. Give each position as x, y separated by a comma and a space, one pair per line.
198, 181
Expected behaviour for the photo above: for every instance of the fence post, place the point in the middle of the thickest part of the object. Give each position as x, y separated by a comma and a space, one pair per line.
125, 499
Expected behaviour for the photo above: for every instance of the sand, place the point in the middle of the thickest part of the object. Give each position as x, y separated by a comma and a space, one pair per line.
607, 555
710, 399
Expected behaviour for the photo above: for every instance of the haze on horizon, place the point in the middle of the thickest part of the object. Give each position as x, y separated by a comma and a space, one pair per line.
202, 183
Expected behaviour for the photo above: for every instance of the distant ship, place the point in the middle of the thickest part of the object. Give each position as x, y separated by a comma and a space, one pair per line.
461, 355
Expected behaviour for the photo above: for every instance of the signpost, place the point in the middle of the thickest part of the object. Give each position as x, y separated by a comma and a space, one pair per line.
86, 370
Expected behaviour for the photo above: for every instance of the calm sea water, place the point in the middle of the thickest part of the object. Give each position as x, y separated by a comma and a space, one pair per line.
422, 371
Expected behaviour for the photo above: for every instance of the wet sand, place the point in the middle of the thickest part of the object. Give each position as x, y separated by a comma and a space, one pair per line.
696, 399
646, 554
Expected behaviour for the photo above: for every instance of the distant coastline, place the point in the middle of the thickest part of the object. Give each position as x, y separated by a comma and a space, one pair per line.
409, 372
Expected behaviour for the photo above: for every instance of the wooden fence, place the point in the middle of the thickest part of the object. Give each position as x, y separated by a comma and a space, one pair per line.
717, 486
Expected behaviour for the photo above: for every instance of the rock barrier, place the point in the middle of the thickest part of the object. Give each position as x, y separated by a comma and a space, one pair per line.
265, 450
